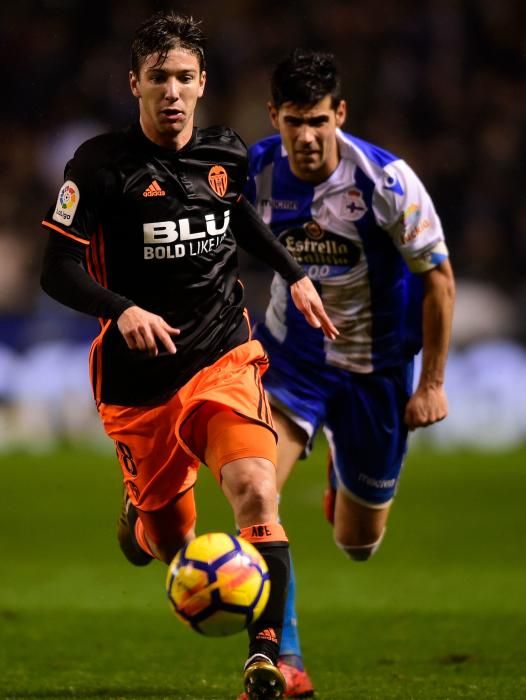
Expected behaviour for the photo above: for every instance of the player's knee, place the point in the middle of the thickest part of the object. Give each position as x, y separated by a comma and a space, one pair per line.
360, 552
258, 497
252, 490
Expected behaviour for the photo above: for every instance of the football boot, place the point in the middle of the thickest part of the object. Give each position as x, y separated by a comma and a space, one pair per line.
299, 685
126, 534
263, 680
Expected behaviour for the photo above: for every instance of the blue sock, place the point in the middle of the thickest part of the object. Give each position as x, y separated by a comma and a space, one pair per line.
290, 641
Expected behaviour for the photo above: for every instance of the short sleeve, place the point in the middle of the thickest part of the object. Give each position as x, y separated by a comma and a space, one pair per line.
403, 208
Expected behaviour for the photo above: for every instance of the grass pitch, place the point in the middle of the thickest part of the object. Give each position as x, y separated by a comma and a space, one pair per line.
438, 614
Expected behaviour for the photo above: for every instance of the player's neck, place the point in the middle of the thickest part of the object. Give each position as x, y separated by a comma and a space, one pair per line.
174, 141
316, 177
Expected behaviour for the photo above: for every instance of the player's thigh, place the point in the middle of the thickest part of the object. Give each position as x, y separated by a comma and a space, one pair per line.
241, 453
368, 439
298, 394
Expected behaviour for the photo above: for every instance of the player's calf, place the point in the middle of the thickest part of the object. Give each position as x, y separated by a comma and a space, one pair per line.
272, 543
262, 678
165, 530
126, 534
360, 552
359, 527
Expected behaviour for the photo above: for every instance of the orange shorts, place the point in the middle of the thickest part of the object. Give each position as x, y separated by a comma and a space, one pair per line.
219, 415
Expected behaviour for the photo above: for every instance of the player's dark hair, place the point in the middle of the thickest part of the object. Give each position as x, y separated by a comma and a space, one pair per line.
305, 77
164, 31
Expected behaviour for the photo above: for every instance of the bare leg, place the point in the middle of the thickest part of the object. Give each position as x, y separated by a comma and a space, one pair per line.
291, 443
358, 529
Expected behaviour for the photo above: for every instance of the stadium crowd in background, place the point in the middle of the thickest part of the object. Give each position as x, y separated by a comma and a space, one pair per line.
440, 83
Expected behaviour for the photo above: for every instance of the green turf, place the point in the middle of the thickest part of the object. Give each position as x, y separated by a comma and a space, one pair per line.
438, 614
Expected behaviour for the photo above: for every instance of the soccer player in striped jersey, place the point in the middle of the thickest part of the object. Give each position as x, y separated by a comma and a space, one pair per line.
363, 227
144, 235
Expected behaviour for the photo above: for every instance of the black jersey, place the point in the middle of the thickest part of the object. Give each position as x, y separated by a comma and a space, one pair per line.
156, 224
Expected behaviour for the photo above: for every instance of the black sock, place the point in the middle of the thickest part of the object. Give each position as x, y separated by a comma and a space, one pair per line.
265, 633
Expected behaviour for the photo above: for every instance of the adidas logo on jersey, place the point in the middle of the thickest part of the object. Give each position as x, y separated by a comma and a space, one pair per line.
153, 190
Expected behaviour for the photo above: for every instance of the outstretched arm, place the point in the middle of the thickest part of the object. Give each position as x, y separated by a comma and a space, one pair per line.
429, 402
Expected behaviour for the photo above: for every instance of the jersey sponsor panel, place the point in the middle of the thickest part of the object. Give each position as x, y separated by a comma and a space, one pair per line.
321, 253
175, 239
178, 250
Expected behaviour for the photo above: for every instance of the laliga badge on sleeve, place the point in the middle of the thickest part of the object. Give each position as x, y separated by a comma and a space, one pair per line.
67, 202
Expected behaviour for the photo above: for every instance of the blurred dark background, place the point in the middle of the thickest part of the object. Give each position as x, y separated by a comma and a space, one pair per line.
438, 82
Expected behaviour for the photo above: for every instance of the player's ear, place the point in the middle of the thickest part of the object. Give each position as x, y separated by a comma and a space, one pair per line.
341, 113
134, 84
273, 115
202, 83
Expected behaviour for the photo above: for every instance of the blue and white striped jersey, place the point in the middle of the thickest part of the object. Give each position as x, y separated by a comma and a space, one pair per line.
360, 235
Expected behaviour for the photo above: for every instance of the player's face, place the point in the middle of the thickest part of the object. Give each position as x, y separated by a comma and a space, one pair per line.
168, 95
308, 133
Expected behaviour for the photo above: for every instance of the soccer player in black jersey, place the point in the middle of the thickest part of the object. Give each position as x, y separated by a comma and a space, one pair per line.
144, 236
